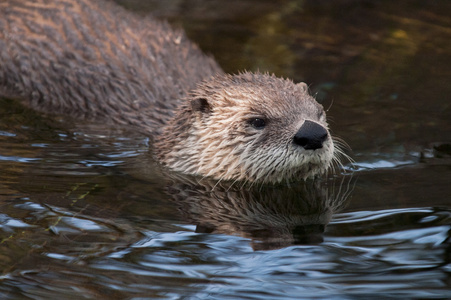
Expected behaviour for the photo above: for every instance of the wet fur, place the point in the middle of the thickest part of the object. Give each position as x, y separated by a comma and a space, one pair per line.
224, 146
94, 60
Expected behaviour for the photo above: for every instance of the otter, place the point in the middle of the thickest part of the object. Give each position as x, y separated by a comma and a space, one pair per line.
96, 60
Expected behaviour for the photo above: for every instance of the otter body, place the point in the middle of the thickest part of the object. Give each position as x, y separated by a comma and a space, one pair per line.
93, 59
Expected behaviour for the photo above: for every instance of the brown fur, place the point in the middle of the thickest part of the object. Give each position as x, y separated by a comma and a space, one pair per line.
218, 141
92, 59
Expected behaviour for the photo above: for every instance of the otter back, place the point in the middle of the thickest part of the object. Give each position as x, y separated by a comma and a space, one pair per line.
92, 59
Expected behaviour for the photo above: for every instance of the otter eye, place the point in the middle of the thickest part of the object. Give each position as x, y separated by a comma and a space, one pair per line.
257, 123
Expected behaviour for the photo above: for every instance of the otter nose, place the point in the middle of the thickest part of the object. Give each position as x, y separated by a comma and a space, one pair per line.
310, 136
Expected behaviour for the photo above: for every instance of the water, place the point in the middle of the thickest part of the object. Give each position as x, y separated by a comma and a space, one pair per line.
85, 213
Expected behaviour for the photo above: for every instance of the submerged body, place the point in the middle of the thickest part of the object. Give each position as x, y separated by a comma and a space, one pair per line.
93, 59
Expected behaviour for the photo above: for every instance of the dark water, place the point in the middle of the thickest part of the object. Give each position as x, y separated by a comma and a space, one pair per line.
86, 214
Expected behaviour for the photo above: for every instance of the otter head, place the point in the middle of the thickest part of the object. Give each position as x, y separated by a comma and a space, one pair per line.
248, 127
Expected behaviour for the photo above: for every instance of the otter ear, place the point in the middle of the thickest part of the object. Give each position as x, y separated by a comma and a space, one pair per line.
201, 105
303, 86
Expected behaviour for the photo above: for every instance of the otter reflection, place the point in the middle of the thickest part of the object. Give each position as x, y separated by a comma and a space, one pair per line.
272, 216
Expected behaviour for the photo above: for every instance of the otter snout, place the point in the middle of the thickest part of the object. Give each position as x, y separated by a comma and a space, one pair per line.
310, 136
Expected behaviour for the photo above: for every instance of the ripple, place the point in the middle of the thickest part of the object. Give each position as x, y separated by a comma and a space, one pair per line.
19, 159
